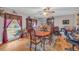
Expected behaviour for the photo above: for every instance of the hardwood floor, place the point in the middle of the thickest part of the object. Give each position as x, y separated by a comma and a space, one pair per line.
17, 45
61, 44
23, 45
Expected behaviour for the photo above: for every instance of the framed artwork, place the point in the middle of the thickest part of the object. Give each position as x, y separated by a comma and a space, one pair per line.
65, 21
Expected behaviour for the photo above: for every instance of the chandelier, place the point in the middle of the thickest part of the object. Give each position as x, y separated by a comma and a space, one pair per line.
48, 12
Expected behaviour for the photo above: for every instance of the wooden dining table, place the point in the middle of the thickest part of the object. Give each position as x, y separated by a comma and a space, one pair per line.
43, 32
42, 35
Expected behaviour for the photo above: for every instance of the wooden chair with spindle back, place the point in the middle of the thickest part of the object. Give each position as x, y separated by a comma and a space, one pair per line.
34, 40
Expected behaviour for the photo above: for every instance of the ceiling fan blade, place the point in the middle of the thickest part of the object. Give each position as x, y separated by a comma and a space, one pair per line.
52, 11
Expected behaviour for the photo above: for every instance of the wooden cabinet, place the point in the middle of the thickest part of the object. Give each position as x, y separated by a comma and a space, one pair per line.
30, 22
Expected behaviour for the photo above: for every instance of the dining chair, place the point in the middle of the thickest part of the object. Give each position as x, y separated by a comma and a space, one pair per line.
56, 30
24, 33
49, 38
34, 40
73, 41
66, 36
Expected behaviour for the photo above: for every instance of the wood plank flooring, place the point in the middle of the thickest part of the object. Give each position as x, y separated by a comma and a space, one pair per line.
22, 44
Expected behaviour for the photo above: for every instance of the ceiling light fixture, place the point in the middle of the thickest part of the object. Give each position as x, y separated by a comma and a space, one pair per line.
47, 12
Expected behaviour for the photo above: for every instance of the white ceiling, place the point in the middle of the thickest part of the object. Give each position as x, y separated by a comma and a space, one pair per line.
35, 11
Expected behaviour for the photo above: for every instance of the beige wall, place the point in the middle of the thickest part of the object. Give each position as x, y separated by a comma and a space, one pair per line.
23, 16
1, 28
58, 20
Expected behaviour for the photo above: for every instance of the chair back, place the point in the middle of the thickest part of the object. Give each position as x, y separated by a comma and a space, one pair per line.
73, 40
32, 35
65, 32
56, 28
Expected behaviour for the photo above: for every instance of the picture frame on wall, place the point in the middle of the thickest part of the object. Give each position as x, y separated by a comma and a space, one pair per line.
65, 22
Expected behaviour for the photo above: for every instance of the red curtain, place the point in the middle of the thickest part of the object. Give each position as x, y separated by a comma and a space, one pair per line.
20, 23
7, 22
5, 30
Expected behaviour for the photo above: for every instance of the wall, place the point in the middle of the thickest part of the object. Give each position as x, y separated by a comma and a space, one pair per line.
42, 20
58, 20
1, 28
24, 21
7, 10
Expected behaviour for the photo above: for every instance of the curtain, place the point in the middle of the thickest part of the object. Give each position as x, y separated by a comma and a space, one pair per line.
7, 22
20, 23
5, 31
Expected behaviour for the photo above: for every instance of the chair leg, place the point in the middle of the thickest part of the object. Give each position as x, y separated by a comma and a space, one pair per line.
30, 46
41, 44
73, 47
44, 45
35, 47
50, 39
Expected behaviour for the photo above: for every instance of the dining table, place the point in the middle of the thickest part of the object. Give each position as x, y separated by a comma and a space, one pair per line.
42, 34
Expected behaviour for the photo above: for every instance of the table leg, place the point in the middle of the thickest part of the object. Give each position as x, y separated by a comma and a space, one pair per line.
35, 47
73, 47
30, 46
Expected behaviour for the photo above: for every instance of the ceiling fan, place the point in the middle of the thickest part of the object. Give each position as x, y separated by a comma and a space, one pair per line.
46, 12
48, 9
